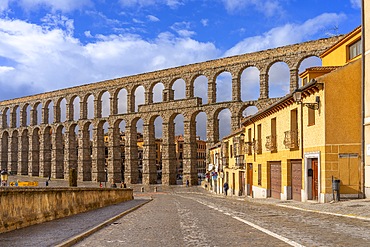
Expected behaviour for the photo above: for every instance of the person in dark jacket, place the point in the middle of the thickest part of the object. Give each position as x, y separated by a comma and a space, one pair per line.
226, 187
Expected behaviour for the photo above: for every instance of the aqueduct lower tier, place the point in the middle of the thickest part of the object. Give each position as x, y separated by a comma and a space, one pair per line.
32, 145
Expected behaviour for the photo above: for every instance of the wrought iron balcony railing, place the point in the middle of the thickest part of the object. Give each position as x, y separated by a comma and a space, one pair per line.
271, 143
258, 146
291, 140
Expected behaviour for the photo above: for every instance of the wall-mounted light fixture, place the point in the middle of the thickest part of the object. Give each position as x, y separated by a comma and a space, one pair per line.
297, 96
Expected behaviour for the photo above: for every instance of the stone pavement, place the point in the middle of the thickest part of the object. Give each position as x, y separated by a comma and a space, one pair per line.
357, 208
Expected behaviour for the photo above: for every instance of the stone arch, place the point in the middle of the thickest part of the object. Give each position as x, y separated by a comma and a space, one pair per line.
74, 108
59, 150
102, 104
121, 95
71, 147
117, 139
48, 112
279, 79
138, 97
6, 118
157, 91
47, 145
223, 80
307, 62
85, 152
199, 85
4, 150
178, 89
15, 117
99, 152
36, 113
60, 109
14, 152
249, 78
217, 118
25, 148
26, 115
35, 152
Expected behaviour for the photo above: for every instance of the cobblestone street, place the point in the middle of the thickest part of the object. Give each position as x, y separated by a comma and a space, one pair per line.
181, 216
191, 218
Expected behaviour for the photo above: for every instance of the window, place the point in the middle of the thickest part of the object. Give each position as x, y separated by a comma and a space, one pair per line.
311, 117
231, 151
259, 174
354, 49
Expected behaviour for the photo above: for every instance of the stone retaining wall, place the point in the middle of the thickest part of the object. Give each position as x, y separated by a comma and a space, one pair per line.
22, 207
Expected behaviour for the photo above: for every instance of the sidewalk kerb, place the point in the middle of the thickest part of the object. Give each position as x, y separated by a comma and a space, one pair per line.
325, 212
78, 238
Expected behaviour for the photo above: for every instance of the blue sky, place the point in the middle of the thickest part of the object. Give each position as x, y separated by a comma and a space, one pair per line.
51, 44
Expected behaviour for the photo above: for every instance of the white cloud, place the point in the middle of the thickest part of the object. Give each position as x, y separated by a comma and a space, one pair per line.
182, 29
268, 7
62, 5
204, 22
153, 18
4, 69
49, 57
144, 3
285, 35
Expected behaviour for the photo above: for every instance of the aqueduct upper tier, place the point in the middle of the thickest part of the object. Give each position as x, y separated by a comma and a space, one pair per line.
40, 135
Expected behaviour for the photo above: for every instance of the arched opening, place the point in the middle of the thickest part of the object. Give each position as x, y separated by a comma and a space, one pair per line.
279, 80
250, 110
158, 92
105, 100
308, 62
201, 88
38, 113
122, 101
73, 149
35, 152
179, 88
118, 153
139, 97
179, 143
24, 152
85, 152
201, 133
76, 108
90, 107
158, 122
224, 87
63, 110
4, 151
50, 112
17, 110
59, 152
140, 148
224, 120
47, 152
6, 118
250, 84
14, 153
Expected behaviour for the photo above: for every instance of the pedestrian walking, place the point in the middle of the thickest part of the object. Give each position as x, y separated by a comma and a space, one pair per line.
187, 183
226, 187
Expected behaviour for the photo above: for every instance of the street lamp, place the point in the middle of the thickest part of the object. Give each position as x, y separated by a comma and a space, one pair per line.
297, 97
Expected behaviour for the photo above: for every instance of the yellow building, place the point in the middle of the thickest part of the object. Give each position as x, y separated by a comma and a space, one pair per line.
309, 141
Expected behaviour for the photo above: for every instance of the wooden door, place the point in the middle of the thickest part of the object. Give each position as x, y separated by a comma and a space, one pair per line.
315, 179
296, 166
275, 179
242, 183
250, 179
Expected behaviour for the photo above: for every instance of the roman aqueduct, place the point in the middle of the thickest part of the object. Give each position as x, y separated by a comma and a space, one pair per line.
33, 145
